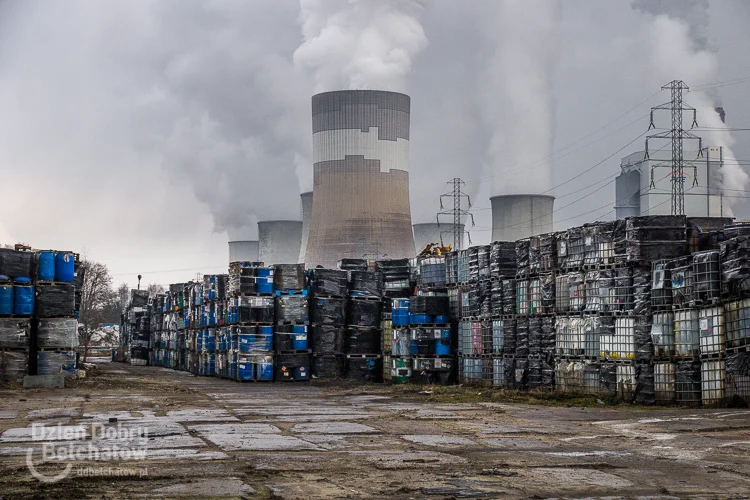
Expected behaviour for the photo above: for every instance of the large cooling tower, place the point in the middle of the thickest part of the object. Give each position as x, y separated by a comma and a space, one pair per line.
307, 205
279, 241
518, 216
361, 177
243, 251
429, 232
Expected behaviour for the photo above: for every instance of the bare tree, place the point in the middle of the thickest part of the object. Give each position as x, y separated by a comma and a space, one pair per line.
155, 289
97, 298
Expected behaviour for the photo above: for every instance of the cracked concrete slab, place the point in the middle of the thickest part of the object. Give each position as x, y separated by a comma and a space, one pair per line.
8, 414
390, 460
334, 428
46, 413
438, 440
45, 433
213, 487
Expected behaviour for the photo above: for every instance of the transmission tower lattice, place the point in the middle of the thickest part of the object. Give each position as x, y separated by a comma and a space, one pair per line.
676, 134
458, 213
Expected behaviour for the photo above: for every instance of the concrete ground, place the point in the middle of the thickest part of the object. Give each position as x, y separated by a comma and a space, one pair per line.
175, 435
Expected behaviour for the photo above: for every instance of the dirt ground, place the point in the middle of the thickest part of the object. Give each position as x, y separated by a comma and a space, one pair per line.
174, 435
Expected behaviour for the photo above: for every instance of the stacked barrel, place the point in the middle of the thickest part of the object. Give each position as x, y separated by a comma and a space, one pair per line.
16, 311
329, 291
292, 322
363, 326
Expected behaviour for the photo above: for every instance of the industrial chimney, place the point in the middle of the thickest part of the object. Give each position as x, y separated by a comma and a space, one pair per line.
306, 200
279, 241
243, 251
519, 216
361, 177
430, 232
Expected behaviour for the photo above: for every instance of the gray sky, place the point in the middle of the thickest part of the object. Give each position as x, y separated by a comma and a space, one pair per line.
144, 133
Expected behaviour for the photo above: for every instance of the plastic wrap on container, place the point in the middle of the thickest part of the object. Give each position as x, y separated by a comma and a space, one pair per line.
548, 293
577, 291
535, 336
483, 262
522, 258
644, 384
509, 296
688, 382
485, 299
242, 278
548, 252
16, 264
432, 305
138, 298
535, 374
352, 264
292, 309
661, 285
57, 332
289, 277
706, 276
496, 297
735, 259
593, 298
14, 332
55, 300
471, 306
473, 263
365, 313
14, 365
327, 339
522, 337
570, 249
655, 237
360, 340
328, 283
326, 367
608, 378
54, 363
535, 255
642, 291
364, 369
328, 311
644, 346
503, 259
738, 363
548, 336
366, 283
521, 379
622, 298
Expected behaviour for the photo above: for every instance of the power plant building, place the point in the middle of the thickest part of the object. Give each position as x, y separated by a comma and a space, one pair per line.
243, 251
519, 216
360, 205
306, 201
644, 187
279, 241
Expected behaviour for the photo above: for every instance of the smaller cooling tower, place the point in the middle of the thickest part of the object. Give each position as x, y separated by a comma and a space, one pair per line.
429, 232
307, 204
279, 241
519, 216
243, 251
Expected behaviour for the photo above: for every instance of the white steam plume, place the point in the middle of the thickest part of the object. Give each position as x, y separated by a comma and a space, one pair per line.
516, 95
359, 44
681, 50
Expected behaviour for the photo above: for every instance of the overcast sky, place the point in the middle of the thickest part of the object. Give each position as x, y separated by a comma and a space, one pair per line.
146, 133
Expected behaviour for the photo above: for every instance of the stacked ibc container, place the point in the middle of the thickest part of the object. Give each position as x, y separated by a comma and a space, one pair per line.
363, 342
138, 328
292, 322
251, 315
328, 297
16, 311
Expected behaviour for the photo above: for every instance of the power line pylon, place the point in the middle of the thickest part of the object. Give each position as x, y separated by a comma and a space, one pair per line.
676, 106
457, 212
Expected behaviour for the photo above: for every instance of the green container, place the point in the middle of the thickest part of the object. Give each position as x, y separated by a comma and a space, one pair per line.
401, 370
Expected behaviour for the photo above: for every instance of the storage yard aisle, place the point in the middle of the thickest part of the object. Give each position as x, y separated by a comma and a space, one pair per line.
208, 436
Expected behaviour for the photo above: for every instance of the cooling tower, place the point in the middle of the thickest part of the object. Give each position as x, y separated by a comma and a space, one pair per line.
519, 216
246, 251
429, 232
361, 177
306, 200
279, 241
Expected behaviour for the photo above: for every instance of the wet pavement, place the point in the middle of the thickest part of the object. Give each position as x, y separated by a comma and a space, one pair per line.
159, 433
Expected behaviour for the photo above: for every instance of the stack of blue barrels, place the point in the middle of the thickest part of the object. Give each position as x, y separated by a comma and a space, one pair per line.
328, 290
250, 322
292, 322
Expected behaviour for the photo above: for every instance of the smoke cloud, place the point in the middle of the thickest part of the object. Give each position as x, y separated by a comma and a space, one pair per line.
359, 44
682, 50
516, 93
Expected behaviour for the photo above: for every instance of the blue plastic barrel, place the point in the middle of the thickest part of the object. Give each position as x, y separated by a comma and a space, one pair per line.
209, 340
264, 279
211, 365
47, 265
301, 373
400, 312
6, 296
244, 370
299, 337
246, 343
264, 368
265, 338
441, 319
443, 341
420, 319
24, 297
65, 267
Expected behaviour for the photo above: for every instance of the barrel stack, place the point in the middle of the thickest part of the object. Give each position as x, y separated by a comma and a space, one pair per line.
328, 297
293, 354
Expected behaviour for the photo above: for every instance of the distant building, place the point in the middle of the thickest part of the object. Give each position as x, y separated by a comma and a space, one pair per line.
644, 187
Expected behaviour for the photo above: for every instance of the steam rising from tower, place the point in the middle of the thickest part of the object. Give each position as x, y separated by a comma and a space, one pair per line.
361, 177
